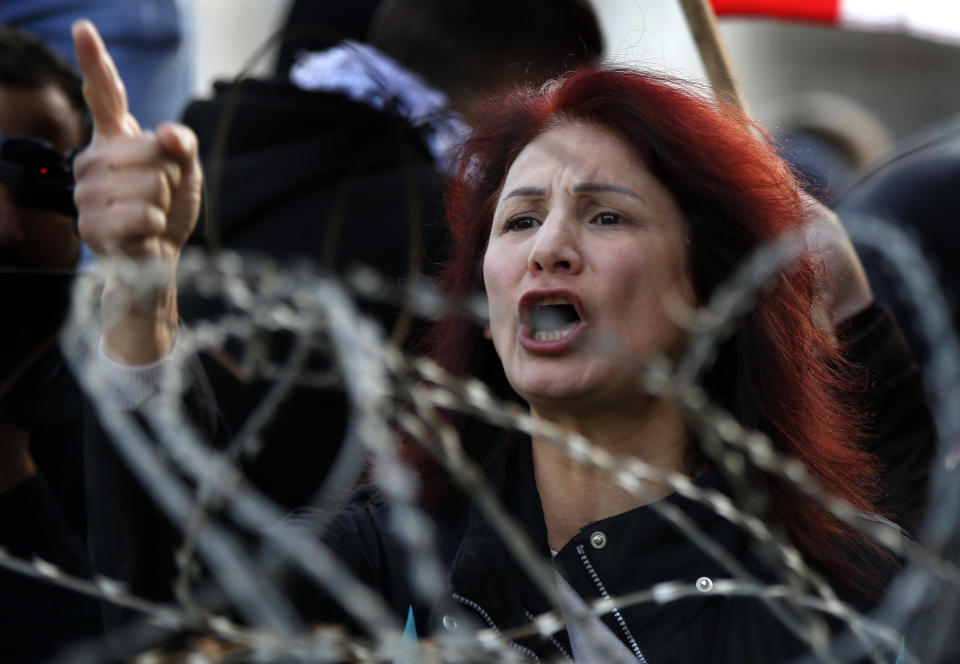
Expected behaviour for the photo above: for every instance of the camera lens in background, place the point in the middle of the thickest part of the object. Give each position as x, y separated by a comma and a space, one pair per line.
39, 175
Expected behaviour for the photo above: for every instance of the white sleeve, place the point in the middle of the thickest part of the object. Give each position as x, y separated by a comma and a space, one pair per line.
127, 387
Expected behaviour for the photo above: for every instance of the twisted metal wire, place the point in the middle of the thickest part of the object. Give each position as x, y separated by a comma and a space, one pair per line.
315, 307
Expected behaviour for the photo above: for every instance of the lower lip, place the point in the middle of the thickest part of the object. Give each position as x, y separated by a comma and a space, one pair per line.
552, 347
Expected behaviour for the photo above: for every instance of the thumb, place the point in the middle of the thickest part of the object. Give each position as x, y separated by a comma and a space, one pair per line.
102, 86
180, 144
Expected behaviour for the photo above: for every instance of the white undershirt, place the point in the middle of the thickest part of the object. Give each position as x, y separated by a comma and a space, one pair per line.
129, 386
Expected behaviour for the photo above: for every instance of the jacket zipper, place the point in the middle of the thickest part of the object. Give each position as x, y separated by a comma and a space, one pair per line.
616, 612
553, 639
483, 614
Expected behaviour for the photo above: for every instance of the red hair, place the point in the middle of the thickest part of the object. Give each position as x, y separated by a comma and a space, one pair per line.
778, 373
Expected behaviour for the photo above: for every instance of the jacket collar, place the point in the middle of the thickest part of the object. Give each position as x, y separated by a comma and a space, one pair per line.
641, 549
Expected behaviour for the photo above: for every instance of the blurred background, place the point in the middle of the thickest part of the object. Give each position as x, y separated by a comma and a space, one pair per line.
904, 82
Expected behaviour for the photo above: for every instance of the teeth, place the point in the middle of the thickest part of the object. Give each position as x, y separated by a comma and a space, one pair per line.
555, 335
553, 299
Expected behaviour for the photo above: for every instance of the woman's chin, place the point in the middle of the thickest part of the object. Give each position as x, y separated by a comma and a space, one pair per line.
559, 397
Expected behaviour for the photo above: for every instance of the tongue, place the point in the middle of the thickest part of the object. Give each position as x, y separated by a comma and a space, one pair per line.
552, 317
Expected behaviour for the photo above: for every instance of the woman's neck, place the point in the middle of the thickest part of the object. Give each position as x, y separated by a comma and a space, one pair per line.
574, 494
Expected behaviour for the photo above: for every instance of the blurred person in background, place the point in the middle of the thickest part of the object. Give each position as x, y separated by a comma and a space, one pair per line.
42, 118
916, 187
827, 138
315, 26
152, 42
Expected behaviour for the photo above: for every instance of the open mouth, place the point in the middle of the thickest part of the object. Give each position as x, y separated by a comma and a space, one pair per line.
552, 318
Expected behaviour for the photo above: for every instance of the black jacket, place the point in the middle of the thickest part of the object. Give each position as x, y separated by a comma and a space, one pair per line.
294, 176
637, 549
623, 554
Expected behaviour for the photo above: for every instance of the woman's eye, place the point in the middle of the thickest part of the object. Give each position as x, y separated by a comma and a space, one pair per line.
520, 224
607, 219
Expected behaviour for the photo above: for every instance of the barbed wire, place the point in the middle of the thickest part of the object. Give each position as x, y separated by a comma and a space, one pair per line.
204, 490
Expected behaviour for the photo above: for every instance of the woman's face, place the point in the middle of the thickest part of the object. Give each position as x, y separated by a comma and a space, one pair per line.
586, 248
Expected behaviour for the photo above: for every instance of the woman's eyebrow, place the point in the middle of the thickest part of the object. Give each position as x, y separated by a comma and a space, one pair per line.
598, 186
527, 191
578, 189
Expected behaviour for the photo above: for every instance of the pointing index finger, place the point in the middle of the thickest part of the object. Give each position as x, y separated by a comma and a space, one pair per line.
102, 86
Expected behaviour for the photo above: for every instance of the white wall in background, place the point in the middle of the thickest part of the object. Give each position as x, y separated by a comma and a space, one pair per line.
229, 33
652, 34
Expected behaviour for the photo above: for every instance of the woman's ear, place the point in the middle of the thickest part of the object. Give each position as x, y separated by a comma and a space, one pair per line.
487, 334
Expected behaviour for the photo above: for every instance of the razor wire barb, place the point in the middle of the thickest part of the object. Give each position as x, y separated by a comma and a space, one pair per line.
318, 310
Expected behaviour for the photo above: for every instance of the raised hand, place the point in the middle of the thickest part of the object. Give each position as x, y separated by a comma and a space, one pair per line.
138, 195
844, 288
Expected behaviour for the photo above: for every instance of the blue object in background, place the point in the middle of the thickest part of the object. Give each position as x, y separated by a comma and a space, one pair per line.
409, 634
150, 40
410, 629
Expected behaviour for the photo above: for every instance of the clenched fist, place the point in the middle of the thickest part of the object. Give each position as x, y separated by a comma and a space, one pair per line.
138, 195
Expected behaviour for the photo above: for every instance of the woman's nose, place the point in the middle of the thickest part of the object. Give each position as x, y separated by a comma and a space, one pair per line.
556, 248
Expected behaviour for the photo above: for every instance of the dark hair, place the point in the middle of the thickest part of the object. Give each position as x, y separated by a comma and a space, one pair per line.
26, 62
314, 26
778, 373
465, 47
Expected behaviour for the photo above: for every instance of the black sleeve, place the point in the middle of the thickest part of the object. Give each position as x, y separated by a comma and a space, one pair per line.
901, 432
31, 524
353, 534
38, 617
129, 537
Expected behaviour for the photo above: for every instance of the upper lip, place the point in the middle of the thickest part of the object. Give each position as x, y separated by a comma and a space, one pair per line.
533, 298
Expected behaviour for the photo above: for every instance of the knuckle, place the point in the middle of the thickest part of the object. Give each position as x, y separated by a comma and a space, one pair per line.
138, 211
83, 228
174, 174
190, 142
166, 184
84, 160
91, 231
93, 192
81, 194
153, 219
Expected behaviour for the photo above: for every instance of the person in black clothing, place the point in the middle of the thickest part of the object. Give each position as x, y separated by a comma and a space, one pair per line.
42, 116
914, 188
314, 26
593, 214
